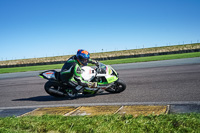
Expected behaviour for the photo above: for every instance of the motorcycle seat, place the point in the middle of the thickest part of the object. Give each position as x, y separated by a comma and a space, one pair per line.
57, 75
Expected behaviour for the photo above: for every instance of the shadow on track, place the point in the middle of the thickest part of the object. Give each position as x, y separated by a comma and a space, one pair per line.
51, 98
40, 99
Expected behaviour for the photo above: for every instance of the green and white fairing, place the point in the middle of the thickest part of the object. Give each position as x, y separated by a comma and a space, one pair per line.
104, 73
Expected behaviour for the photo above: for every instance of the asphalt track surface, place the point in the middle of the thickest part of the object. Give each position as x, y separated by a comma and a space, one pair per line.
158, 82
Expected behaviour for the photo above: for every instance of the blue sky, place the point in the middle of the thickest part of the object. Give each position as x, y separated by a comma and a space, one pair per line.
40, 28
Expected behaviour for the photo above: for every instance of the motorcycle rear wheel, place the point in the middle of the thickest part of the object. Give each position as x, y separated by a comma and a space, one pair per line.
52, 85
118, 87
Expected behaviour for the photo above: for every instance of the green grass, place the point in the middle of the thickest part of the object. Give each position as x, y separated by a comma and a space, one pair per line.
179, 123
109, 62
30, 68
153, 58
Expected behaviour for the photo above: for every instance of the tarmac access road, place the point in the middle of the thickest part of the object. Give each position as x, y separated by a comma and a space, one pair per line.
158, 82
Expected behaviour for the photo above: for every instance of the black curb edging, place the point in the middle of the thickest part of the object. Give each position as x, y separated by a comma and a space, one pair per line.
171, 109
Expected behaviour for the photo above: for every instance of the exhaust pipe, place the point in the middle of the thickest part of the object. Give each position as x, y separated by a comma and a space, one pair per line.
56, 92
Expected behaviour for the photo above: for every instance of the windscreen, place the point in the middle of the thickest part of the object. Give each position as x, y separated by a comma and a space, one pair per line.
102, 68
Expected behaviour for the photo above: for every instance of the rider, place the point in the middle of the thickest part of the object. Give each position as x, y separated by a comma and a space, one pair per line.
72, 70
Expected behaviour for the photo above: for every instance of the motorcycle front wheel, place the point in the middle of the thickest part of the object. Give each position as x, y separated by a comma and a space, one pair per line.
118, 87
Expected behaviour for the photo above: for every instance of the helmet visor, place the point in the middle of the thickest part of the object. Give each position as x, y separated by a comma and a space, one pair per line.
83, 61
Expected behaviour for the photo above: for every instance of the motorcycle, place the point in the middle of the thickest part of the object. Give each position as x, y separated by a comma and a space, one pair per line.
105, 76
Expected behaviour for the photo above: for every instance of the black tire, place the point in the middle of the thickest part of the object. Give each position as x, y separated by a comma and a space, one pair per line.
119, 87
54, 86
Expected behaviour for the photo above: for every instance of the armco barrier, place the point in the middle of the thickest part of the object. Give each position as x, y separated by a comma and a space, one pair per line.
106, 58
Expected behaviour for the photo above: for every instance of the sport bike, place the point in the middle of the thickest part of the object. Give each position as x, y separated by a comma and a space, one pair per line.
105, 76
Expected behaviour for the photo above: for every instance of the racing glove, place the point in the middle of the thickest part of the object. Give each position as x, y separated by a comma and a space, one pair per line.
92, 84
94, 62
97, 63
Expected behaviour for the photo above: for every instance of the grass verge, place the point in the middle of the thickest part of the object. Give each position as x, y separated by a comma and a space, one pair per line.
109, 54
109, 62
102, 124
